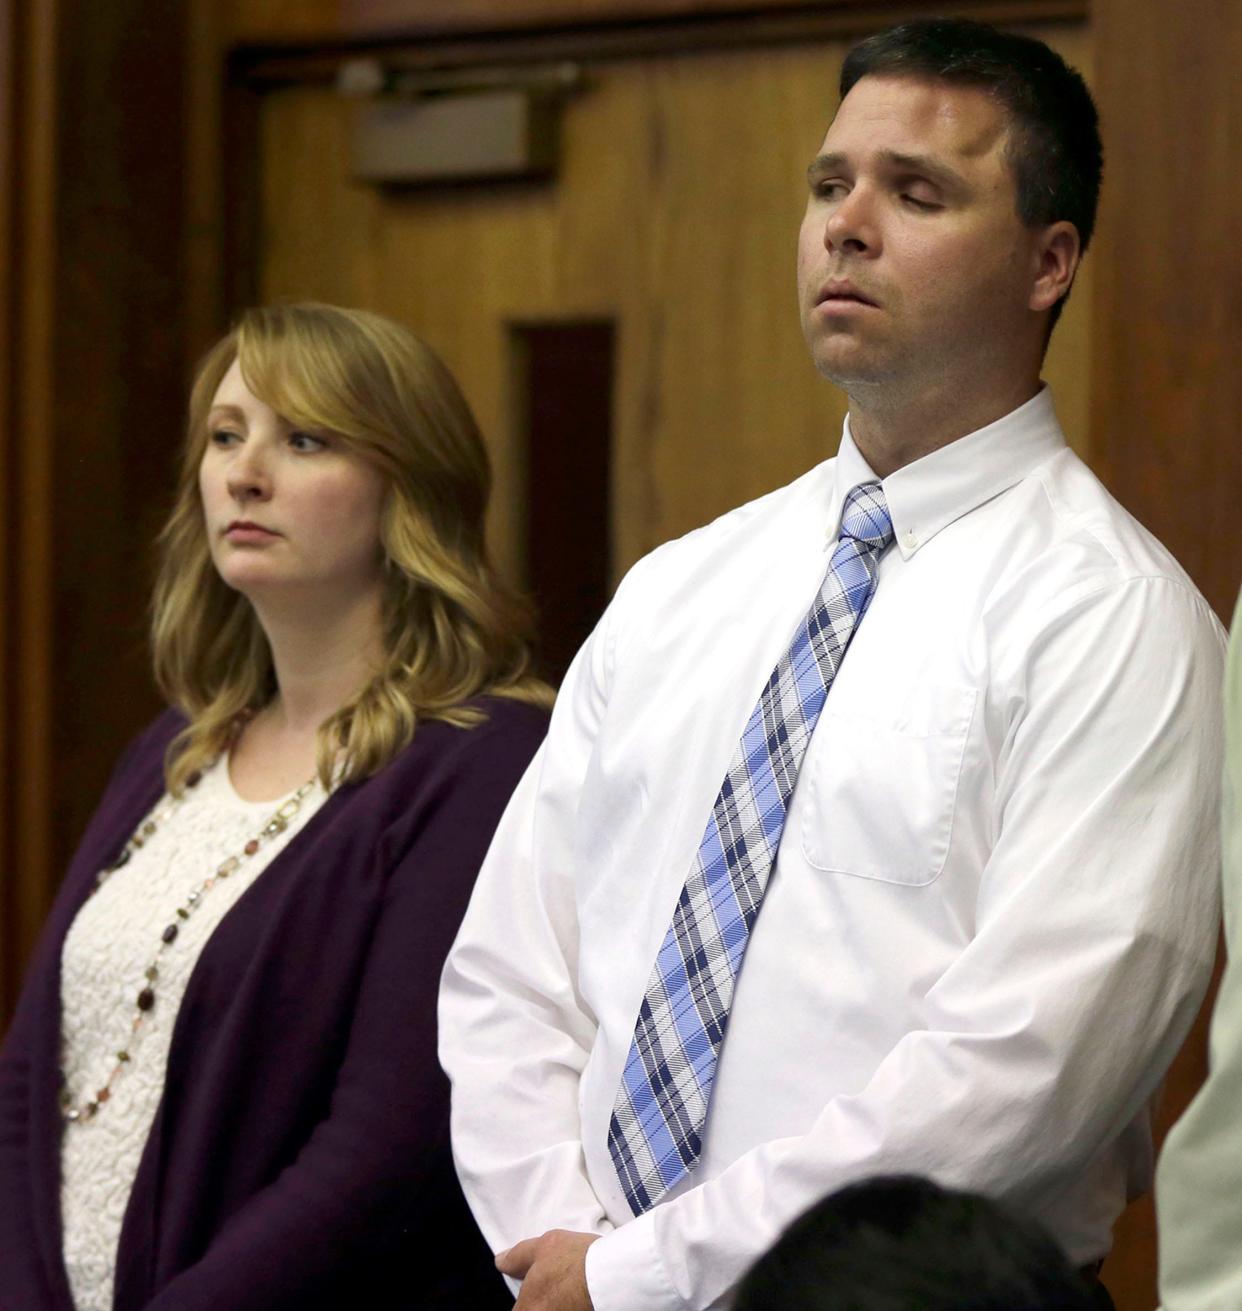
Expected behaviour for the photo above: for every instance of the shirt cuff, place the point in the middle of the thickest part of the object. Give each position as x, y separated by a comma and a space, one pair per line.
624, 1271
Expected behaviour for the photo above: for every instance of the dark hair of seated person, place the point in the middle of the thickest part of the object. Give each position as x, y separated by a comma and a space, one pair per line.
902, 1243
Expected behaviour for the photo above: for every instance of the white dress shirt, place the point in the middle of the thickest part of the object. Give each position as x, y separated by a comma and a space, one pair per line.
993, 911
1199, 1183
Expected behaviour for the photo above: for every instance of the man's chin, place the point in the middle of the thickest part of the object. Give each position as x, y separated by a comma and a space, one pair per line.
848, 365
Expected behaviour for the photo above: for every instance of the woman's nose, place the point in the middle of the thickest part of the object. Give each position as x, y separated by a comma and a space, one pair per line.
249, 477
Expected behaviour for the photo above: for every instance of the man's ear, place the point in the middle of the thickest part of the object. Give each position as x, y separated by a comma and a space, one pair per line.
1057, 253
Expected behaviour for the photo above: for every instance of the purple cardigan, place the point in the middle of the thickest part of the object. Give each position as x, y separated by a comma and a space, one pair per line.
299, 1157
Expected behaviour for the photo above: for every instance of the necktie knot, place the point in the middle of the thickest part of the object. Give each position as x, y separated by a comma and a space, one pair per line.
865, 517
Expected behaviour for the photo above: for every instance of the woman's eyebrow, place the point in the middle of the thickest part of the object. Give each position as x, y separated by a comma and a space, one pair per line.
224, 412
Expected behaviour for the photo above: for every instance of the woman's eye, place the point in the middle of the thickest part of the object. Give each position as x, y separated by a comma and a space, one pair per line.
305, 441
223, 436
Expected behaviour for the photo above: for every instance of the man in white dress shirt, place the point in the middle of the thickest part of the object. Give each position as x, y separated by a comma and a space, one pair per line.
992, 912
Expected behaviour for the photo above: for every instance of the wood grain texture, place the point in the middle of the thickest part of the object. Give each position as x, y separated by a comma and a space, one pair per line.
26, 781
207, 204
116, 377
33, 650
514, 52
97, 395
9, 210
1167, 332
1168, 321
278, 22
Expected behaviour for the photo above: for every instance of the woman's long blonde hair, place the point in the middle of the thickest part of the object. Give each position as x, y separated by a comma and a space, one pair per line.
451, 629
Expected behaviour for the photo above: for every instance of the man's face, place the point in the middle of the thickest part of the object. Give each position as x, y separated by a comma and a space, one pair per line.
913, 266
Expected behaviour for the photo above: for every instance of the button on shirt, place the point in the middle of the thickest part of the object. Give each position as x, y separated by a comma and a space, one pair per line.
992, 915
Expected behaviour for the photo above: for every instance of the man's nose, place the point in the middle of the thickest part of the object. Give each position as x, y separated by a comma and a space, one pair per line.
852, 226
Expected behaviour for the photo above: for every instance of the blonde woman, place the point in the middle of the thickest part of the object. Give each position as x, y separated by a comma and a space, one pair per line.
220, 1090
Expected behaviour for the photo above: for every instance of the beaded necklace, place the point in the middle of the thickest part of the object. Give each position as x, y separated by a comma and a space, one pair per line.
73, 1111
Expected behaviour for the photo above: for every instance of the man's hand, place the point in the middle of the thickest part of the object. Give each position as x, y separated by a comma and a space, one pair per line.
552, 1269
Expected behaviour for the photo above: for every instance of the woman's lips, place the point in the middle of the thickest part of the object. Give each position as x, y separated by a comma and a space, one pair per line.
244, 531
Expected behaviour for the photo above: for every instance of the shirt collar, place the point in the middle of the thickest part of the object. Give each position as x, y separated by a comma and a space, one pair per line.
929, 494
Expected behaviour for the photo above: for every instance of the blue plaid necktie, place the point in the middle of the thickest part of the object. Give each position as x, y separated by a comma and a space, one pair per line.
654, 1135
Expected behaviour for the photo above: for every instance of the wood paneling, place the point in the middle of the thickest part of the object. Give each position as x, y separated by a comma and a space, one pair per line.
97, 392
26, 191
31, 782
1169, 316
328, 20
278, 22
1167, 334
9, 210
206, 286
115, 377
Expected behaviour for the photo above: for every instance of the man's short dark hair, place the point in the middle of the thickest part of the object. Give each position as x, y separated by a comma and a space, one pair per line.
902, 1243
1054, 147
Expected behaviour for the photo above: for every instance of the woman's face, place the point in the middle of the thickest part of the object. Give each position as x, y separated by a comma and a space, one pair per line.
289, 513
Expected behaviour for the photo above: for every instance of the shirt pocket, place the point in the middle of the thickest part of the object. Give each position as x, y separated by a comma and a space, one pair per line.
883, 786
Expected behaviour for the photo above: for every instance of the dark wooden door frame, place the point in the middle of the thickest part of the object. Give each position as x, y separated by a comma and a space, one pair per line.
333, 22
92, 395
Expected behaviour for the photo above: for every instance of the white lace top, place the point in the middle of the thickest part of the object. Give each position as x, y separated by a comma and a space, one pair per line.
109, 945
